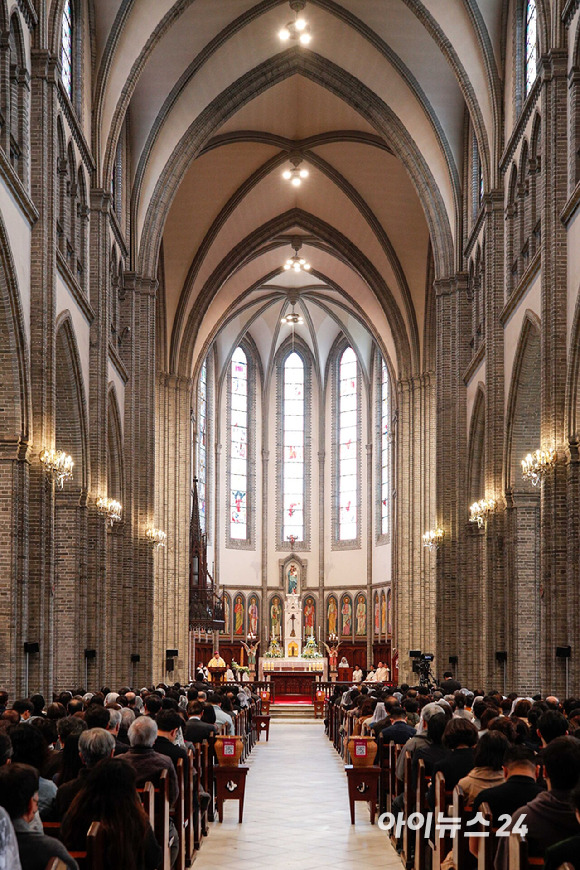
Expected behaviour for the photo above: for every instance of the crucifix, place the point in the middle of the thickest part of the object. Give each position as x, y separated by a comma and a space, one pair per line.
293, 632
292, 539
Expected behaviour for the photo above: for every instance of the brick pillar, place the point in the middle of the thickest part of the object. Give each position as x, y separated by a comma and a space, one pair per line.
492, 597
139, 465
172, 514
453, 594
573, 543
42, 366
414, 586
554, 519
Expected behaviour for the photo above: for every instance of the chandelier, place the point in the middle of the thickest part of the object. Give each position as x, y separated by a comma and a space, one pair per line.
292, 319
295, 175
297, 30
110, 509
480, 510
57, 463
536, 464
298, 264
433, 539
156, 536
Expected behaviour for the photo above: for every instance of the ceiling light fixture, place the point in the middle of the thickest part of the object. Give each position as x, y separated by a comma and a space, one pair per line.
295, 175
297, 30
298, 264
292, 318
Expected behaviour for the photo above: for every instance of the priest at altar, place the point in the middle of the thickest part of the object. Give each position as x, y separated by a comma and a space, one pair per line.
216, 661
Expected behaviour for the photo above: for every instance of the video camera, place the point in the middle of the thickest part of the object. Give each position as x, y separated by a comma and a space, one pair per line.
422, 666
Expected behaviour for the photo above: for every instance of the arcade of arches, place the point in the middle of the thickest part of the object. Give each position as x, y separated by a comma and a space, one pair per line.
432, 343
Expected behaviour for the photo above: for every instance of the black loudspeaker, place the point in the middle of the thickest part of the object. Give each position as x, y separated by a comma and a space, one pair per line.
31, 647
563, 652
171, 653
169, 664
453, 660
135, 657
90, 653
414, 653
501, 657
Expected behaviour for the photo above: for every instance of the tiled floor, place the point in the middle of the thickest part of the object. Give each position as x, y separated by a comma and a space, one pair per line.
296, 813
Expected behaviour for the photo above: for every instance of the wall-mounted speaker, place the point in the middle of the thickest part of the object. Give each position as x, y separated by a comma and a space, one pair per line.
453, 660
90, 653
171, 653
31, 647
170, 664
501, 657
563, 652
135, 657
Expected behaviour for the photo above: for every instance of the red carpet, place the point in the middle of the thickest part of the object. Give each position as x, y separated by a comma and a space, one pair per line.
293, 699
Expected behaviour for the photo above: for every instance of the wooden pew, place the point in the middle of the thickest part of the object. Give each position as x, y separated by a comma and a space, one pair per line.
518, 854
93, 857
421, 807
395, 786
486, 845
158, 799
408, 808
51, 829
191, 782
440, 846
462, 857
56, 864
147, 795
180, 819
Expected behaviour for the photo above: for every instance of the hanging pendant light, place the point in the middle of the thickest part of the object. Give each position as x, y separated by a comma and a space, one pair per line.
295, 175
299, 29
297, 263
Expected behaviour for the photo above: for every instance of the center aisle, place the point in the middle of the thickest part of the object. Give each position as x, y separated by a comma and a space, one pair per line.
296, 812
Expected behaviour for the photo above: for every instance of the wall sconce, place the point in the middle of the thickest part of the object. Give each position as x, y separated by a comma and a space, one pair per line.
156, 536
480, 510
536, 464
58, 464
110, 509
433, 539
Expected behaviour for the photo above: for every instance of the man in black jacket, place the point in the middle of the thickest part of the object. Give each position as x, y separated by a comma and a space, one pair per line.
195, 730
449, 685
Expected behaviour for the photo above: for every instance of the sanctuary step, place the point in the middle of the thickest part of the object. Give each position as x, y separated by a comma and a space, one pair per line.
292, 712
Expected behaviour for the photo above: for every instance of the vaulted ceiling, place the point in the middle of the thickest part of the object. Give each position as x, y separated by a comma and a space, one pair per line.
376, 107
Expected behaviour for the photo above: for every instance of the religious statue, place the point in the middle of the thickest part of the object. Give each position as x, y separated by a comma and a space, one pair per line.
309, 616
332, 615
275, 614
383, 614
251, 650
361, 616
346, 616
332, 656
239, 615
253, 615
377, 616
293, 580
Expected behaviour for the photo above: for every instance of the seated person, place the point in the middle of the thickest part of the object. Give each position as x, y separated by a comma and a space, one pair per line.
19, 797
567, 851
109, 796
460, 736
398, 731
94, 745
30, 747
357, 674
487, 771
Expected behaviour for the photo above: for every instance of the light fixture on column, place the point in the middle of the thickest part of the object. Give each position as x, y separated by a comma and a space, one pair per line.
480, 510
295, 175
433, 539
156, 536
110, 509
536, 464
298, 264
297, 30
57, 463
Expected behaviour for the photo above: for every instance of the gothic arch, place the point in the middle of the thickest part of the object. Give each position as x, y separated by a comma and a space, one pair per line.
523, 410
343, 85
71, 415
115, 476
476, 450
573, 379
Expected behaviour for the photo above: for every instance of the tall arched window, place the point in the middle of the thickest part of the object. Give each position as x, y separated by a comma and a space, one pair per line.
293, 409
201, 471
348, 446
530, 46
385, 471
238, 494
66, 52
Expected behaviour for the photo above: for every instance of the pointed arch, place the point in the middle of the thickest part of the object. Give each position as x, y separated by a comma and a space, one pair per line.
115, 475
476, 449
71, 420
523, 411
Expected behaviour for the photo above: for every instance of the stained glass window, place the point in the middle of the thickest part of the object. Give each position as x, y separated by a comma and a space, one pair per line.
293, 456
347, 446
531, 46
239, 446
67, 44
202, 445
385, 447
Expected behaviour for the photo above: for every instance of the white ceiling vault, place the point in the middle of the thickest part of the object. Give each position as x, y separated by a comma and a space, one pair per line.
376, 106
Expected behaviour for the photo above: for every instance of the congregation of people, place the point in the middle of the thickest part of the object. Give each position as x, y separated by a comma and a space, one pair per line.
83, 757
518, 755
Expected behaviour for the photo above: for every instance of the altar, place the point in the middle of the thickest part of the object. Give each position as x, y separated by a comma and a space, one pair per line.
294, 676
